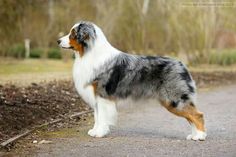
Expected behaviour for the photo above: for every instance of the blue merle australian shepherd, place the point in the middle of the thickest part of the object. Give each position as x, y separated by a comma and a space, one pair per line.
104, 75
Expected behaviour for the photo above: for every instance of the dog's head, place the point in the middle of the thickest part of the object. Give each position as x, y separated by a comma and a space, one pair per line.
80, 38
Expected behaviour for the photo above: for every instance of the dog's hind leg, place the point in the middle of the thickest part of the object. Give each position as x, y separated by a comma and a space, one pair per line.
193, 116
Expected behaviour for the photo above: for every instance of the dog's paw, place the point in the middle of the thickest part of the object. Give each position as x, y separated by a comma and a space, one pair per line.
189, 137
92, 132
102, 131
199, 136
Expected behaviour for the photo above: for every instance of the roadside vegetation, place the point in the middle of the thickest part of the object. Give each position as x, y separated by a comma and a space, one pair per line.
199, 32
13, 66
222, 57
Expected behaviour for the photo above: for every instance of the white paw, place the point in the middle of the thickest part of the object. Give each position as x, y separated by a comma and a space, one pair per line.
92, 132
189, 137
199, 136
102, 131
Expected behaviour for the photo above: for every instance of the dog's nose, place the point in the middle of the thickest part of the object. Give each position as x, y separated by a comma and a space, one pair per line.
58, 41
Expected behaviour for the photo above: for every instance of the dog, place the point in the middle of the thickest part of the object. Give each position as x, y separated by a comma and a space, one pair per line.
103, 75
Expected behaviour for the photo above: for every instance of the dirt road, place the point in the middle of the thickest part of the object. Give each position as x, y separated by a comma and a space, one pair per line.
150, 130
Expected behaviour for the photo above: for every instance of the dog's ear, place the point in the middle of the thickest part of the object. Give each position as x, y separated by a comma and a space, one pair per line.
85, 32
82, 33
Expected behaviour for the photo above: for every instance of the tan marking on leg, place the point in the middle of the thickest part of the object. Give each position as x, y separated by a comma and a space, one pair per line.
95, 85
189, 112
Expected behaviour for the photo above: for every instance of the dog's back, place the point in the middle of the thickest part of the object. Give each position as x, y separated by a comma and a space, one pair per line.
145, 77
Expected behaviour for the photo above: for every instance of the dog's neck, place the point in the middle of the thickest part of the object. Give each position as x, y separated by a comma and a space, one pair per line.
86, 66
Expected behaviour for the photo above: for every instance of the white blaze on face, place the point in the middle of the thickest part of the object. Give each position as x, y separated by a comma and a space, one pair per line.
65, 40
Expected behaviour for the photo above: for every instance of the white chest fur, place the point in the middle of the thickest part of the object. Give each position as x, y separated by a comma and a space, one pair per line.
84, 71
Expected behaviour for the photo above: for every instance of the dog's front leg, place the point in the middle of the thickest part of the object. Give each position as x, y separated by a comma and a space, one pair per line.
107, 115
87, 93
92, 132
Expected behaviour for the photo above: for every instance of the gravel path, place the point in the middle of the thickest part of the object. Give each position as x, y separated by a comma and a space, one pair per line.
150, 130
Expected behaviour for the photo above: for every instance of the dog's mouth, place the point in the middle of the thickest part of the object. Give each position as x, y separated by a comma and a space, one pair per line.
71, 47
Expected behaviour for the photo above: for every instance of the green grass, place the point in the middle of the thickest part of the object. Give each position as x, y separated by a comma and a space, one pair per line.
212, 68
222, 57
37, 66
10, 66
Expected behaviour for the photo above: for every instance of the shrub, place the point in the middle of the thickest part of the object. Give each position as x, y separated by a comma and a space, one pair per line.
36, 53
17, 51
54, 53
223, 57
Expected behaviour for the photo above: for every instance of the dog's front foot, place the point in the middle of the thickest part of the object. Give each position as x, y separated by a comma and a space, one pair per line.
102, 131
92, 132
189, 137
99, 132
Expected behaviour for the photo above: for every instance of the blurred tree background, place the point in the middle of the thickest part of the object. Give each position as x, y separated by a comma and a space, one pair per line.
197, 31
